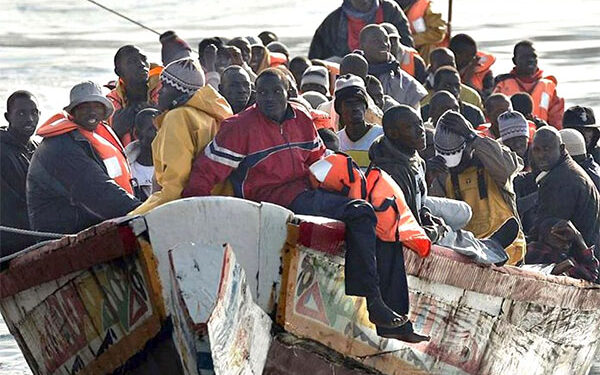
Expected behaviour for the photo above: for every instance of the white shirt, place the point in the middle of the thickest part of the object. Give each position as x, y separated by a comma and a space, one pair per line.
143, 174
359, 150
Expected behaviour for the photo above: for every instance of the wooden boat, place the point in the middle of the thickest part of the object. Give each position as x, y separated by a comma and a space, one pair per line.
227, 286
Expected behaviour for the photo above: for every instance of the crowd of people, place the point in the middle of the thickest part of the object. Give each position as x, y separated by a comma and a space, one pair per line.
388, 125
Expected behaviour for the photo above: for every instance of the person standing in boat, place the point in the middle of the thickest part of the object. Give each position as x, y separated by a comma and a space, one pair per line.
527, 77
266, 152
79, 174
481, 173
338, 35
16, 150
191, 115
137, 88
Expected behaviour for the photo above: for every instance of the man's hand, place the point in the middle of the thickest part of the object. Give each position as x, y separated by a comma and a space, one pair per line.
210, 58
235, 55
565, 231
435, 167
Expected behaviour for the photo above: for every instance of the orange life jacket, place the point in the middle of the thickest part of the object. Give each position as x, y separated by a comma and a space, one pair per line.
541, 94
104, 141
340, 174
486, 61
408, 60
395, 222
276, 59
321, 119
334, 72
416, 16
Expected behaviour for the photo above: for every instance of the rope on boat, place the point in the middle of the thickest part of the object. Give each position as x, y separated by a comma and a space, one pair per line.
123, 16
30, 232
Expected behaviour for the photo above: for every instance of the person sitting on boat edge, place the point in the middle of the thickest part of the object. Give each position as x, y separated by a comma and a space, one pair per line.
139, 153
481, 173
338, 34
396, 153
137, 88
236, 87
375, 44
254, 150
192, 113
561, 177
79, 174
527, 77
16, 149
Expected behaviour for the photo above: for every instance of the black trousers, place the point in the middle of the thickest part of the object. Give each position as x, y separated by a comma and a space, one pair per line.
361, 276
392, 282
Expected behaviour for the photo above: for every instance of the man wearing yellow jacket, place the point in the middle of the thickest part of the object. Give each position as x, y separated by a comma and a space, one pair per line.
192, 114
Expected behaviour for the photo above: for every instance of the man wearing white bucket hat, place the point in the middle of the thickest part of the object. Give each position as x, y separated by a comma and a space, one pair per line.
481, 173
79, 175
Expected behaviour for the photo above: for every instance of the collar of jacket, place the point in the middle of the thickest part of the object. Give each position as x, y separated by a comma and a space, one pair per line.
383, 150
7, 138
392, 65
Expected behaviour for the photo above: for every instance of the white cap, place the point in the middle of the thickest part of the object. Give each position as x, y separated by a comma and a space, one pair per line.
573, 141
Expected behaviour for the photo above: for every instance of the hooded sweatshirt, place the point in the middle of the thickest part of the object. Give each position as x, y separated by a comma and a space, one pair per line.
183, 132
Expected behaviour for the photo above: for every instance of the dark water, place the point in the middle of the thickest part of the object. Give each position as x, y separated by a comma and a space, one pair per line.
48, 46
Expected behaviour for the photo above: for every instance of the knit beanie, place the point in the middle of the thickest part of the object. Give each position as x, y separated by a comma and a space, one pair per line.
316, 74
573, 141
348, 86
185, 75
447, 143
512, 124
578, 117
173, 47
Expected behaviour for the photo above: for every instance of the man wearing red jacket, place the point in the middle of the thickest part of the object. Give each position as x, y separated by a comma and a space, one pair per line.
266, 151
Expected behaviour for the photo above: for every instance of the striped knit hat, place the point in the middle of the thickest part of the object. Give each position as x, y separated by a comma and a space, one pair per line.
447, 143
185, 75
512, 124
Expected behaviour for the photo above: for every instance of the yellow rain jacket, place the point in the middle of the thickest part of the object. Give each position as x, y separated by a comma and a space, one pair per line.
183, 132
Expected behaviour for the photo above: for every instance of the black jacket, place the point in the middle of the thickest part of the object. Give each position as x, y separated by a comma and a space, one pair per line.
330, 41
568, 193
14, 163
590, 167
68, 187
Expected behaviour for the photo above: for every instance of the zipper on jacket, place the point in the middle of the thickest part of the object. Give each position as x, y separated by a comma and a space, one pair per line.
287, 142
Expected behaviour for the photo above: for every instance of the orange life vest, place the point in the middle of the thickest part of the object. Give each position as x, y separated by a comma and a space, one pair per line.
276, 59
340, 174
395, 222
481, 70
104, 141
321, 119
408, 60
416, 16
541, 94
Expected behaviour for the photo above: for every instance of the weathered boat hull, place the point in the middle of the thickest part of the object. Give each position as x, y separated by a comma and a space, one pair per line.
161, 293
